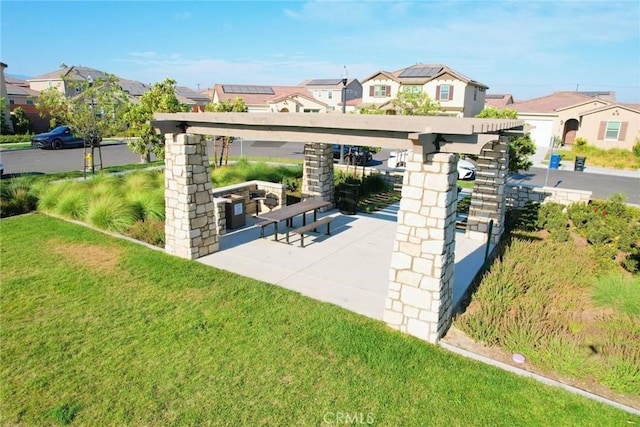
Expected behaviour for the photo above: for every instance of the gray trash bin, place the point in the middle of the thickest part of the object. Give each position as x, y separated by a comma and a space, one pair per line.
579, 163
235, 212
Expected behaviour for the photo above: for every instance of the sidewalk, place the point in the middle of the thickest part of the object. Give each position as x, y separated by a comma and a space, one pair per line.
567, 165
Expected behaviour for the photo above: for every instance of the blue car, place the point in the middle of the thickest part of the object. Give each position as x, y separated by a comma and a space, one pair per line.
60, 137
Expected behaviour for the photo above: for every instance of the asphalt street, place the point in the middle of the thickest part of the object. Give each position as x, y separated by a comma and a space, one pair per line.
36, 161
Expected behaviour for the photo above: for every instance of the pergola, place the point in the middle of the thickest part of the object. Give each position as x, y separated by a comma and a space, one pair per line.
419, 297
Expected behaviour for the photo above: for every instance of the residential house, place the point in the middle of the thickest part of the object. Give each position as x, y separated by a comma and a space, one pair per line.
264, 99
197, 101
332, 92
568, 115
3, 94
21, 95
457, 94
498, 100
133, 88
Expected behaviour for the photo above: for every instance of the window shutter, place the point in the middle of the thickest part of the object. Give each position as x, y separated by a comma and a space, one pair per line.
603, 127
623, 131
437, 93
388, 90
450, 93
371, 90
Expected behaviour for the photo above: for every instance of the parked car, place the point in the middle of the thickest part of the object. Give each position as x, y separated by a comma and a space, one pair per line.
466, 169
60, 137
352, 154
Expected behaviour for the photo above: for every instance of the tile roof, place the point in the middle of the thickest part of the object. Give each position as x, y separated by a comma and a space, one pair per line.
19, 90
191, 94
422, 73
262, 98
499, 100
551, 103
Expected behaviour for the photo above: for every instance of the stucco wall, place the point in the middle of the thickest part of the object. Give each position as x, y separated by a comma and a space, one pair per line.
367, 99
591, 125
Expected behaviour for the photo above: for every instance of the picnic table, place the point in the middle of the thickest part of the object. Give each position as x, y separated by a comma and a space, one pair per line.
289, 212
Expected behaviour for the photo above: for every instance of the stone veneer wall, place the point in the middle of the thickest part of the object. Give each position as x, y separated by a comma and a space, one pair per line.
519, 194
488, 196
190, 225
419, 298
317, 175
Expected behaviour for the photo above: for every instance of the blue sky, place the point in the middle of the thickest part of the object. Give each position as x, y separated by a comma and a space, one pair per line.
528, 49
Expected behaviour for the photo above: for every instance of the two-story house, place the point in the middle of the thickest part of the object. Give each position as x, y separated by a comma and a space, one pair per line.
332, 91
265, 99
457, 94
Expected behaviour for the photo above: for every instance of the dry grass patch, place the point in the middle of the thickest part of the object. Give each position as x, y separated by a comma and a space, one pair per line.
99, 257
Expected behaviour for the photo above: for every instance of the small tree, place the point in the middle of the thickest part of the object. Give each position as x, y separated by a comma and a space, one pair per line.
227, 106
5, 124
21, 122
96, 111
160, 99
415, 104
372, 109
521, 148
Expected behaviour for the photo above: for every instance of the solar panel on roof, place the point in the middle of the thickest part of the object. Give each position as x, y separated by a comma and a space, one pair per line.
325, 82
263, 90
420, 72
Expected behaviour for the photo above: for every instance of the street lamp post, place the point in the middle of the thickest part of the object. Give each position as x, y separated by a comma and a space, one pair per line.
345, 77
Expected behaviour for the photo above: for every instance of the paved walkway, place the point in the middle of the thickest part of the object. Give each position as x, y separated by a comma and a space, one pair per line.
350, 268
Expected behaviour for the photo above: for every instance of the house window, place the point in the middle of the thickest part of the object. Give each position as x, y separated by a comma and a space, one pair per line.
475, 93
412, 88
444, 92
29, 101
11, 101
381, 91
330, 94
613, 131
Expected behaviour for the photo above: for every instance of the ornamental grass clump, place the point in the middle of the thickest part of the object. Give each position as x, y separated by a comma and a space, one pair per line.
110, 212
17, 197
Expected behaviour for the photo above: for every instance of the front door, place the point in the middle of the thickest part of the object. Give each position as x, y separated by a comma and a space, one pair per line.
570, 129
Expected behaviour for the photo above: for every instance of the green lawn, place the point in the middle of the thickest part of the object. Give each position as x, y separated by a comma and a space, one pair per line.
100, 331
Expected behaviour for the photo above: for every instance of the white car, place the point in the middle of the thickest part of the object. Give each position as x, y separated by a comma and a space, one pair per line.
466, 169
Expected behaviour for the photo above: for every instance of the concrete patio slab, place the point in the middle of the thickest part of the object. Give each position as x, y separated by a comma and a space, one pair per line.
349, 268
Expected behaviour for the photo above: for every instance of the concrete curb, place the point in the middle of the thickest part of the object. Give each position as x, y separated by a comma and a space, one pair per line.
539, 378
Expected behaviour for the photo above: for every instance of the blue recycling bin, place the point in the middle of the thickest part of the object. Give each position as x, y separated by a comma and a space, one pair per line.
554, 162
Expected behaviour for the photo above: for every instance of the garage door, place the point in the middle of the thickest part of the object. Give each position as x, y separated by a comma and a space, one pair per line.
542, 131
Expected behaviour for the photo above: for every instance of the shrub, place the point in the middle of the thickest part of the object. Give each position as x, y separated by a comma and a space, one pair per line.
551, 216
636, 148
14, 139
580, 142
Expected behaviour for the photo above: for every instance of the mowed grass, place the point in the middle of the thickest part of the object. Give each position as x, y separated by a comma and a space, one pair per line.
101, 331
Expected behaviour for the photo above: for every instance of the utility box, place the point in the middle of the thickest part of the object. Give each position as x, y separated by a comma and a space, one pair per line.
235, 212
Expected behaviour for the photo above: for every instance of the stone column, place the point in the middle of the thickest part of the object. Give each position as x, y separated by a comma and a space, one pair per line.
317, 176
421, 276
488, 199
190, 225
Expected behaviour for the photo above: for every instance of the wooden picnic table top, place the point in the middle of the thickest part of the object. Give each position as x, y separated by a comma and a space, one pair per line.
290, 211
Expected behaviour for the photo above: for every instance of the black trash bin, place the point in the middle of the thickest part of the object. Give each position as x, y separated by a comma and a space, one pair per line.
578, 165
348, 198
235, 212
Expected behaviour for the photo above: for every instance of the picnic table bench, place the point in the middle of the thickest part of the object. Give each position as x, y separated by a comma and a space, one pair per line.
289, 212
